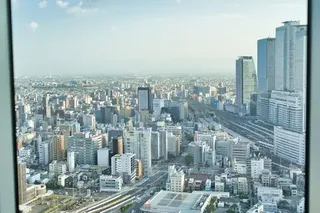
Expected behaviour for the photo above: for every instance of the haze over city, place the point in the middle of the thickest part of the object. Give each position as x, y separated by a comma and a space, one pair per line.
130, 37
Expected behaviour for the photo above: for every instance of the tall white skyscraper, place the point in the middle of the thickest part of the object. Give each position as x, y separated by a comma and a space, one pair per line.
289, 55
138, 141
246, 79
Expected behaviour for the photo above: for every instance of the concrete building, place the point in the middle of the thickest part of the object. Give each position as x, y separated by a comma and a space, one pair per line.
177, 131
163, 144
275, 193
58, 149
286, 109
117, 145
158, 104
290, 145
22, 183
71, 161
210, 139
246, 80
139, 173
257, 166
103, 157
301, 206
219, 186
125, 166
176, 180
44, 152
172, 144
138, 141
198, 151
89, 121
145, 99
85, 147
241, 151
57, 168
243, 185
110, 183
155, 145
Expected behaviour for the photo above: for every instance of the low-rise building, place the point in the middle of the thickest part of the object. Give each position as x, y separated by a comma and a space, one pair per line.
110, 183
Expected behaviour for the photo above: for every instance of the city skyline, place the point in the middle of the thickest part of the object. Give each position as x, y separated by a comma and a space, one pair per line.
71, 37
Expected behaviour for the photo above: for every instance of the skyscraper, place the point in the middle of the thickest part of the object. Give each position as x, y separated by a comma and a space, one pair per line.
117, 145
266, 64
58, 149
22, 183
138, 141
285, 51
144, 99
246, 79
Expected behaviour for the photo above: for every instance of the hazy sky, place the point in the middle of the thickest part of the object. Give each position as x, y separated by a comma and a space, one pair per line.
106, 36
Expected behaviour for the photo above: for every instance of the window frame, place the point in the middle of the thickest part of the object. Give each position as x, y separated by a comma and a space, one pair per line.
8, 162
8, 183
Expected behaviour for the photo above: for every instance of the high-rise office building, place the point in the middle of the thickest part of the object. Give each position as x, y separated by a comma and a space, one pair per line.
58, 149
246, 79
117, 145
286, 110
22, 183
46, 106
138, 141
290, 145
286, 52
89, 121
145, 99
266, 65
155, 145
163, 134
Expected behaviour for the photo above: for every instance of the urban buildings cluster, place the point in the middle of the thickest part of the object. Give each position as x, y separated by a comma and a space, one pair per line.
201, 143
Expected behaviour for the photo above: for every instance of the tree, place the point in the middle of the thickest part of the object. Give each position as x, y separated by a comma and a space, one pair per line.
188, 159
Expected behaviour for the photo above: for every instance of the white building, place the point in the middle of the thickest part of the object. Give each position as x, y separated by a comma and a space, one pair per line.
257, 166
210, 139
110, 183
103, 157
176, 180
138, 141
286, 109
58, 168
71, 161
43, 152
62, 180
172, 143
241, 168
218, 186
275, 193
300, 207
290, 145
198, 151
243, 185
125, 166
89, 121
157, 105
289, 54
155, 145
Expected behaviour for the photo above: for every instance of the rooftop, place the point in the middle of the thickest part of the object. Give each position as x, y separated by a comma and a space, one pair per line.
172, 202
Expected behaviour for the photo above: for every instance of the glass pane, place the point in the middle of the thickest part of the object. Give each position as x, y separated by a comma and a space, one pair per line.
160, 106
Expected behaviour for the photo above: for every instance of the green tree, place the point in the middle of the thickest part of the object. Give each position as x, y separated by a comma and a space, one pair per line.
188, 159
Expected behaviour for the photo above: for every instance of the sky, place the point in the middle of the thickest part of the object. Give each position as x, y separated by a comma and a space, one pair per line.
72, 37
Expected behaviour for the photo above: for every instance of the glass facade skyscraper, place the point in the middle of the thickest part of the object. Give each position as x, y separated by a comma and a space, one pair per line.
246, 79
